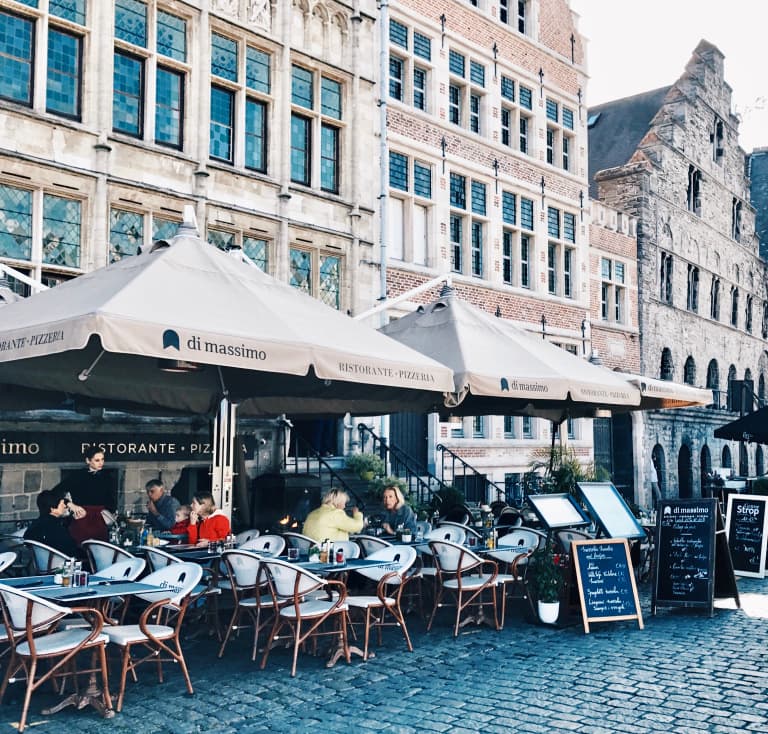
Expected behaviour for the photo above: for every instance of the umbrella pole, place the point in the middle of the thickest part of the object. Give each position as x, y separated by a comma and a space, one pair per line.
552, 449
222, 470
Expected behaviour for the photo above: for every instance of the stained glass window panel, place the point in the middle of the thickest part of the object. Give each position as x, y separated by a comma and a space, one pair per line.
300, 149
163, 229
330, 98
169, 107
223, 57
62, 93
255, 135
126, 233
73, 10
127, 102
15, 223
16, 44
131, 22
222, 124
330, 281
221, 239
171, 36
302, 92
329, 159
258, 251
257, 66
301, 270
61, 231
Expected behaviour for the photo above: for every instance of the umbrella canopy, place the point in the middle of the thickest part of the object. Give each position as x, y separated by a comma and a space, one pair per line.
660, 394
752, 427
500, 369
223, 326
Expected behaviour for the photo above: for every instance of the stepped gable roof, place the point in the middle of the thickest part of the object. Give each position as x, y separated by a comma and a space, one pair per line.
617, 129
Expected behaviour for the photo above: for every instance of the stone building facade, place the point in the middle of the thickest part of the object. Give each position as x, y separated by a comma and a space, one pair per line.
118, 113
703, 318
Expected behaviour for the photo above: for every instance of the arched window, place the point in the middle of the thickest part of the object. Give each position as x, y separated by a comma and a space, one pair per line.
731, 387
743, 460
734, 306
689, 373
667, 369
726, 459
713, 382
759, 461
761, 389
659, 463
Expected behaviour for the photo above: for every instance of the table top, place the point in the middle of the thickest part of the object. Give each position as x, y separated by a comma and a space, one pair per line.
98, 588
351, 564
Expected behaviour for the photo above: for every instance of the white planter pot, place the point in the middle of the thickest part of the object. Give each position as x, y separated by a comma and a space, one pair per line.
549, 611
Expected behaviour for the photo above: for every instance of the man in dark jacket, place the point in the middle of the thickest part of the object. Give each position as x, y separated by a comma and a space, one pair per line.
49, 527
161, 506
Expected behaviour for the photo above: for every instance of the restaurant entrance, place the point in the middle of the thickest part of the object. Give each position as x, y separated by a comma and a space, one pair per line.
408, 431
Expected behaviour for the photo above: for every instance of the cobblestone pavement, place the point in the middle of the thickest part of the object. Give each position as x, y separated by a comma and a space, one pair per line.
686, 672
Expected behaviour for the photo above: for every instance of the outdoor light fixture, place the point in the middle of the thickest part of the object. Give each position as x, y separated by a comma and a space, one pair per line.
177, 365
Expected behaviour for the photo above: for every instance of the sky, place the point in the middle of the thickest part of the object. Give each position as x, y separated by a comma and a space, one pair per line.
635, 46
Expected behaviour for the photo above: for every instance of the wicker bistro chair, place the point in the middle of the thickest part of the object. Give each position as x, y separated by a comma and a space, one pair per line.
101, 554
248, 584
297, 540
7, 559
300, 613
370, 544
45, 558
513, 551
272, 545
245, 535
391, 582
157, 632
29, 621
466, 576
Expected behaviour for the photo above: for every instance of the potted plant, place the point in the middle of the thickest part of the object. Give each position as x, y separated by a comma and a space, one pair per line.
367, 466
546, 580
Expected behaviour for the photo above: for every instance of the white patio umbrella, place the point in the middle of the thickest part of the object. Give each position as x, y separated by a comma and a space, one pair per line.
661, 394
500, 369
179, 327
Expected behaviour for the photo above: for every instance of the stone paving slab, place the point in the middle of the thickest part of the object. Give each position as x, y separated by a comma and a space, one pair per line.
685, 673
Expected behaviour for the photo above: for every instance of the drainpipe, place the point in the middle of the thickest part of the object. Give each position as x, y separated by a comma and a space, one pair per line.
384, 170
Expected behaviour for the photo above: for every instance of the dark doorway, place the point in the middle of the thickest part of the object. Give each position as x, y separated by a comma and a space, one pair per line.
684, 472
623, 472
320, 433
408, 431
660, 464
705, 468
743, 460
601, 435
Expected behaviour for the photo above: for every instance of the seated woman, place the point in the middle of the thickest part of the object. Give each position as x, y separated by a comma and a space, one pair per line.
205, 521
330, 521
396, 512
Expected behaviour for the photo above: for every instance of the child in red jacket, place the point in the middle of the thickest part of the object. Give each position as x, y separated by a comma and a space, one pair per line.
181, 526
205, 521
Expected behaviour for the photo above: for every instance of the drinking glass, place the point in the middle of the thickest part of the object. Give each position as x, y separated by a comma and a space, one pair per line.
293, 554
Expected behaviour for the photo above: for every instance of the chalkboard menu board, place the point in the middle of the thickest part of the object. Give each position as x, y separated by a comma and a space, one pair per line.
606, 581
747, 521
685, 553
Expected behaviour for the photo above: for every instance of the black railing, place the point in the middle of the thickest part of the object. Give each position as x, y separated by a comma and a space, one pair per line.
421, 484
306, 459
475, 485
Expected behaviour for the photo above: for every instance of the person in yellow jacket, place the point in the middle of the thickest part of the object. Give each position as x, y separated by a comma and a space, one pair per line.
330, 521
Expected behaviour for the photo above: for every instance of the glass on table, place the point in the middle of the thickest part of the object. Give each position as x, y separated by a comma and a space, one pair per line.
293, 554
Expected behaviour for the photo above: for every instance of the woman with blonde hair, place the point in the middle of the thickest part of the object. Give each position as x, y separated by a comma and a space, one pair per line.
206, 522
396, 512
330, 521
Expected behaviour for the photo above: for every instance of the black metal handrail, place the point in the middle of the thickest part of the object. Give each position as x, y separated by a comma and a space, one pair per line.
490, 487
421, 483
306, 456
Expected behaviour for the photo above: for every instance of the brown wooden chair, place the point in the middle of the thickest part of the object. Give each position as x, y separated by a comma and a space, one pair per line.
29, 623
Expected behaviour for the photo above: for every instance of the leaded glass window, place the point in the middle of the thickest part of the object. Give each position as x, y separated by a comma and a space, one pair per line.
329, 158
126, 233
302, 87
300, 149
526, 98
457, 235
398, 34
15, 223
257, 70
169, 102
61, 231
301, 270
419, 88
567, 118
222, 239
131, 22
422, 46
330, 280
63, 74
73, 10
330, 98
398, 171
163, 229
255, 135
396, 71
16, 44
257, 251
569, 227
526, 214
525, 261
553, 222
458, 191
422, 180
478, 197
171, 36
552, 110
477, 73
506, 257
223, 57
508, 88
127, 101
509, 207
456, 63
222, 124
477, 249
